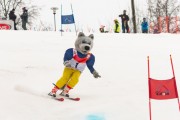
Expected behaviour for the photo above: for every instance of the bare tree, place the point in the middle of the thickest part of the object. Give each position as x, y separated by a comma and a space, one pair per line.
7, 5
171, 10
42, 26
162, 14
133, 16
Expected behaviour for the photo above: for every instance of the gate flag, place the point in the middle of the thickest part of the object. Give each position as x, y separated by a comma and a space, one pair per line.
162, 89
67, 19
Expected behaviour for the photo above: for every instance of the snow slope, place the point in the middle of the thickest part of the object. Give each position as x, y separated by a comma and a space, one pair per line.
31, 61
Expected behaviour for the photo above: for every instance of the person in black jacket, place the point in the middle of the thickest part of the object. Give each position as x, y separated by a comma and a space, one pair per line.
124, 20
24, 18
12, 17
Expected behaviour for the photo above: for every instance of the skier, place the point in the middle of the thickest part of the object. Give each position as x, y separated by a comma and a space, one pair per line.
75, 61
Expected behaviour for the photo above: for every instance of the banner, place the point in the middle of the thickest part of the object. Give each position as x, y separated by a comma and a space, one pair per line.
162, 89
67, 19
6, 25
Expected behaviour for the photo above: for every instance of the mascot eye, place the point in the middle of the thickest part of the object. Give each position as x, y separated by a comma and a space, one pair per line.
84, 41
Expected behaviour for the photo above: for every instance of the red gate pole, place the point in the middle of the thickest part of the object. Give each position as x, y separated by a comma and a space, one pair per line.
176, 24
174, 80
150, 28
167, 24
148, 67
149, 89
172, 66
159, 22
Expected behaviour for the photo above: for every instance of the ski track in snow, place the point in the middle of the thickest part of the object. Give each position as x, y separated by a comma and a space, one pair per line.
30, 91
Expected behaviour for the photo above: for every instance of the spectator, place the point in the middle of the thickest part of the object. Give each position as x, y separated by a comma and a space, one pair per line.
124, 20
101, 29
156, 30
116, 26
144, 26
24, 18
12, 17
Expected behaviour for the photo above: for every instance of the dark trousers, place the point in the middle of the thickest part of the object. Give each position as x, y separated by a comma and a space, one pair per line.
24, 25
15, 26
144, 31
125, 29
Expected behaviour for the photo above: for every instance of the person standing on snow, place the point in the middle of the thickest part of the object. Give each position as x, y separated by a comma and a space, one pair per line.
24, 18
116, 26
101, 29
144, 26
124, 20
12, 17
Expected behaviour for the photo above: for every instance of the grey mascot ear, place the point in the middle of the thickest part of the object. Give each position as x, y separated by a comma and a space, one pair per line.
91, 36
81, 34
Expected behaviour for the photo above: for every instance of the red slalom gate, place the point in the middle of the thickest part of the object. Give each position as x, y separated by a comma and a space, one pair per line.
162, 89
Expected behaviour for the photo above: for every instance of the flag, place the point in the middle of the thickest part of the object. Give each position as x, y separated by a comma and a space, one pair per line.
67, 19
162, 89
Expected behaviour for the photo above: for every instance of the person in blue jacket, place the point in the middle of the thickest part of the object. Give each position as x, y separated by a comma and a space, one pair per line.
144, 26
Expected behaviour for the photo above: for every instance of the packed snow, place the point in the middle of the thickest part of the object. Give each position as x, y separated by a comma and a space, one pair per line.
31, 61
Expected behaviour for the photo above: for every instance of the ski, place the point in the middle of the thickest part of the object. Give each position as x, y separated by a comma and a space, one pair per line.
64, 97
55, 98
74, 99
70, 98
58, 99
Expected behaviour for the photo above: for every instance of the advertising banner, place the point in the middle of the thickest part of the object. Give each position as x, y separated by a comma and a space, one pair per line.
6, 25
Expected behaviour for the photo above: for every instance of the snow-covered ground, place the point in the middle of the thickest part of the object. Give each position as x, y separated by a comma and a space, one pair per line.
31, 61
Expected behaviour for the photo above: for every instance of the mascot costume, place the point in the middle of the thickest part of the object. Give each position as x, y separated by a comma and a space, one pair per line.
75, 61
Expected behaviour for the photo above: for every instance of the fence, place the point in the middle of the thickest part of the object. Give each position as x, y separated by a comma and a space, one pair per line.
165, 25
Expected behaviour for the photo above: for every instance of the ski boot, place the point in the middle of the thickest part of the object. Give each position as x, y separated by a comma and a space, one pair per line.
65, 92
53, 92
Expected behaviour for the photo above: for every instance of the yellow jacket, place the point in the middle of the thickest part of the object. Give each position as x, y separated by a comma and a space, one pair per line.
116, 27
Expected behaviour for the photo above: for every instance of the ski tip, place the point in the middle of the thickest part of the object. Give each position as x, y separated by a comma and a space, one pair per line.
75, 99
60, 99
78, 99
